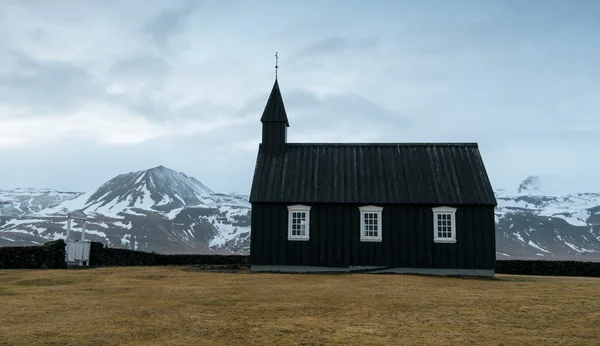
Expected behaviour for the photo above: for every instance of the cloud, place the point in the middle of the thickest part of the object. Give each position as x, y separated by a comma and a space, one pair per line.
170, 22
54, 85
324, 118
140, 67
127, 87
332, 45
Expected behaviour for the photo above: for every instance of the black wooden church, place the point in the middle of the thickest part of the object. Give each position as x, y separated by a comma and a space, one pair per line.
378, 207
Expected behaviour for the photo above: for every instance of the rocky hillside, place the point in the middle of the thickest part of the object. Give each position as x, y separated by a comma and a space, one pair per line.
157, 209
28, 201
532, 224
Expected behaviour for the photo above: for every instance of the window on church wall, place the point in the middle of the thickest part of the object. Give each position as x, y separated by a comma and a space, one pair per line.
444, 225
370, 223
299, 222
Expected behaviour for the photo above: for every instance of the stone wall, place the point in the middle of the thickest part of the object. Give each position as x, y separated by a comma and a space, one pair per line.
103, 256
48, 256
553, 268
52, 256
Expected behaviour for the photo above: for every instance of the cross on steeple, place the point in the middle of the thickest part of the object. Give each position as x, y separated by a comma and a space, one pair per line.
276, 59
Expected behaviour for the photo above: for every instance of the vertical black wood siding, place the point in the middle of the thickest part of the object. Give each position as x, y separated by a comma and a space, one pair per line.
407, 233
274, 137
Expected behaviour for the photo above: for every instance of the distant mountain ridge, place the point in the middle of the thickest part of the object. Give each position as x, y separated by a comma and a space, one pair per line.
157, 189
530, 224
157, 209
28, 200
166, 211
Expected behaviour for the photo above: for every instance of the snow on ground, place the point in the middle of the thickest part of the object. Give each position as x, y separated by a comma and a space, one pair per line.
594, 235
518, 235
126, 225
16, 230
573, 208
537, 247
125, 240
165, 200
18, 222
226, 232
579, 250
110, 209
94, 232
145, 202
173, 213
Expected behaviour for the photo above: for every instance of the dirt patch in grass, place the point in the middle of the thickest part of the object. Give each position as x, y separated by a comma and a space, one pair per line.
225, 268
188, 306
7, 279
215, 302
151, 277
4, 291
43, 282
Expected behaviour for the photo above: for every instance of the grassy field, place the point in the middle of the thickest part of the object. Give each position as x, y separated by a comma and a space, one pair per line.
186, 306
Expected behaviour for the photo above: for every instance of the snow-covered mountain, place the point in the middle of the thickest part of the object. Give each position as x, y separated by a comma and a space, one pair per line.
157, 209
531, 224
26, 201
166, 211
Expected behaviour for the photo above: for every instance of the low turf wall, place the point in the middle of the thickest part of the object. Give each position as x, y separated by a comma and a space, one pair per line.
104, 256
52, 256
553, 268
48, 256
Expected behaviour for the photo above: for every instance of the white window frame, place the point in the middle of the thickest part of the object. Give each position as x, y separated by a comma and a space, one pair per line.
444, 210
371, 209
299, 208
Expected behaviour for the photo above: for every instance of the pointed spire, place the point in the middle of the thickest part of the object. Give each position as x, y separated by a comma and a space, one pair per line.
275, 110
276, 66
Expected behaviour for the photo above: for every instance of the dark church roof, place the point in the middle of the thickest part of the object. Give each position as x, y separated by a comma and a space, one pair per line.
373, 173
275, 110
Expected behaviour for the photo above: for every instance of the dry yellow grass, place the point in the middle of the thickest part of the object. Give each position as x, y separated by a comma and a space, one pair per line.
185, 306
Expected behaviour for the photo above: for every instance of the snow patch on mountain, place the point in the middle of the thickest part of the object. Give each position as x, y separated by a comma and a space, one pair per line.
575, 209
530, 243
156, 190
529, 222
157, 208
23, 201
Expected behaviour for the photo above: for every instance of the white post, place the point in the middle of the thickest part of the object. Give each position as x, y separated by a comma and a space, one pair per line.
68, 227
83, 231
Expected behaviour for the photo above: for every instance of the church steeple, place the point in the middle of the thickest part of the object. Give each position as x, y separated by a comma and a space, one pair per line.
275, 110
274, 121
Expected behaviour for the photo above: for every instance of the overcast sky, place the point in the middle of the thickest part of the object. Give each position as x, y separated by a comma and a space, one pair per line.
92, 89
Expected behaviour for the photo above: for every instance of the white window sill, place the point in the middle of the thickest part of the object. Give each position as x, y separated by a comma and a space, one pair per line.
447, 241
299, 239
371, 240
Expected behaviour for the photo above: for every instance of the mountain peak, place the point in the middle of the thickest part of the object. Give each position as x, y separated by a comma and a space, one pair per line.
157, 189
160, 168
531, 186
171, 181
